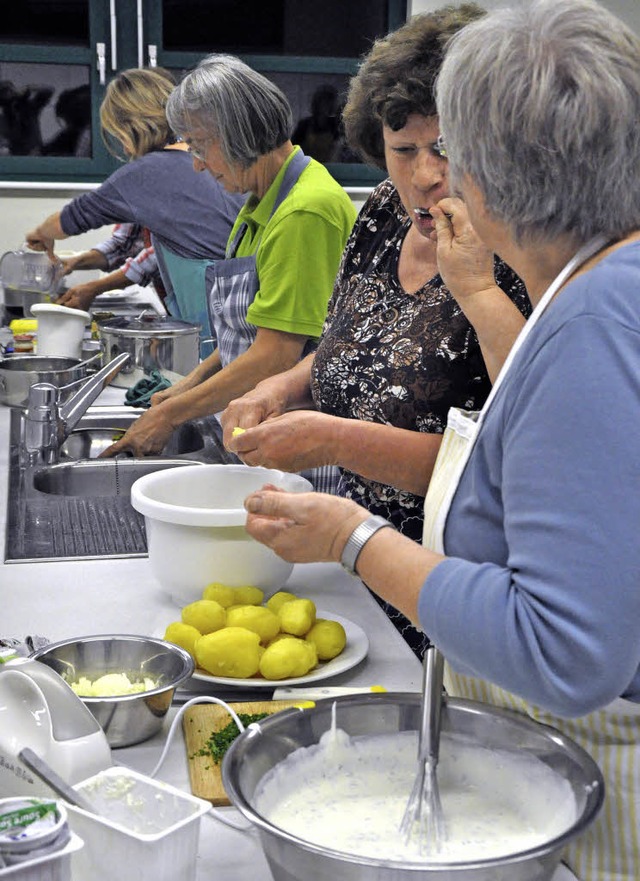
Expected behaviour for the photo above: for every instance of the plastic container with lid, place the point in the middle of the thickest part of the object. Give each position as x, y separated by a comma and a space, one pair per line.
35, 840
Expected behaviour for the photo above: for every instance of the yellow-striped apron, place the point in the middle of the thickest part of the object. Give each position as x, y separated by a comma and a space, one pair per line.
610, 849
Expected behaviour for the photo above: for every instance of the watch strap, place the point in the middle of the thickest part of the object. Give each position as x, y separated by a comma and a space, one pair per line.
358, 539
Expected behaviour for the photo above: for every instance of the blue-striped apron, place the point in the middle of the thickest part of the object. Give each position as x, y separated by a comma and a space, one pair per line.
233, 284
610, 849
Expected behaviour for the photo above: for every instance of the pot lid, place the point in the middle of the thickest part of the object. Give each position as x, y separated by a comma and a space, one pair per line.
148, 323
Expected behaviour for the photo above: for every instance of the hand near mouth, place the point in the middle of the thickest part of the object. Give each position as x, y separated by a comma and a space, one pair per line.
464, 261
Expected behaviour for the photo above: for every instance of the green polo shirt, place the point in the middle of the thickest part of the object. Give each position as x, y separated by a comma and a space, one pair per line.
297, 251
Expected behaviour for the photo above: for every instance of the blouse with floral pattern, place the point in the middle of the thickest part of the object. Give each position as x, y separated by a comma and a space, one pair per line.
393, 357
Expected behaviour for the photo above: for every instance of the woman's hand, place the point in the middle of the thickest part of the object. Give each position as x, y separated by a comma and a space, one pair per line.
149, 434
79, 297
302, 527
292, 442
267, 400
183, 385
464, 261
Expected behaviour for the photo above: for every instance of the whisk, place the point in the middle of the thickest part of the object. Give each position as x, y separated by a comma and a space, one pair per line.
423, 814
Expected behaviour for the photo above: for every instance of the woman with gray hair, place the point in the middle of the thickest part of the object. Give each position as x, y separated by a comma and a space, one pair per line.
268, 297
528, 580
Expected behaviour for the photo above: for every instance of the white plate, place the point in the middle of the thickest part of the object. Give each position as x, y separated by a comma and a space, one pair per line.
355, 650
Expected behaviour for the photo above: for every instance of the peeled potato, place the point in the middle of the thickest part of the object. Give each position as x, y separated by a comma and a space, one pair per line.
232, 652
247, 595
288, 658
297, 616
261, 620
278, 600
184, 635
206, 616
220, 593
329, 638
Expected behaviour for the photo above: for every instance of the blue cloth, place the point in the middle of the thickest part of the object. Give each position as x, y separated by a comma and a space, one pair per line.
141, 393
541, 591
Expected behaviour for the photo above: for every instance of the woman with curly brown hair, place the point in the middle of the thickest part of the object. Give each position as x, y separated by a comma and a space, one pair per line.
188, 215
398, 348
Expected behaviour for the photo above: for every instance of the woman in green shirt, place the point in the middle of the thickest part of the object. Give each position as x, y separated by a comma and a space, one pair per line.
269, 297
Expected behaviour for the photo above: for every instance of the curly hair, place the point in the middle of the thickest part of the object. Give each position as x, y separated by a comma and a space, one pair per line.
133, 111
397, 76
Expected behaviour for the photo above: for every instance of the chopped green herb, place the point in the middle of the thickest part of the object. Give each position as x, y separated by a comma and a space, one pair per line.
220, 741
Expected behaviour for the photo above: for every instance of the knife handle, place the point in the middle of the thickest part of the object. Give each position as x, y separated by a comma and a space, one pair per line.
319, 692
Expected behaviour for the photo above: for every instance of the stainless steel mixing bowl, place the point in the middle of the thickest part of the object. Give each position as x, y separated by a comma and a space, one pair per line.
131, 718
290, 858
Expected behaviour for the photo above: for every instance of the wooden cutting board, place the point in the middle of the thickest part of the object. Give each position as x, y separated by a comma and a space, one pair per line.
198, 723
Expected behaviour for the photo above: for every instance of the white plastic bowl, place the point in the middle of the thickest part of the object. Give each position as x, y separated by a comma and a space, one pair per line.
60, 329
196, 528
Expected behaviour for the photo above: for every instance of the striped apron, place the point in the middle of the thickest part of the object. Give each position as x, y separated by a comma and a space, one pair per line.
610, 849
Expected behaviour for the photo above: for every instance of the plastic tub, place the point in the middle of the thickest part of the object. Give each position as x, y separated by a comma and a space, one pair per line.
41, 850
144, 830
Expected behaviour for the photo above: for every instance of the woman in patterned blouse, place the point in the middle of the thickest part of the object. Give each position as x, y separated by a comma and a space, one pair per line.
398, 349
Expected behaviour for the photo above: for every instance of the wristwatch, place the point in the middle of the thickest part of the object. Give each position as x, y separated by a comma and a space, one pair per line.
358, 539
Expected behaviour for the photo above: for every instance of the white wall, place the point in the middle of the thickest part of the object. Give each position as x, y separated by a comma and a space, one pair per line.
24, 206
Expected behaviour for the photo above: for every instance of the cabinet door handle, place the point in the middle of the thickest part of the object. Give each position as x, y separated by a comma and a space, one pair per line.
153, 55
101, 62
140, 34
114, 35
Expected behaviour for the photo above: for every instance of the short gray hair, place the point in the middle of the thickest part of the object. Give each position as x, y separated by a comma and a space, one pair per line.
540, 105
244, 111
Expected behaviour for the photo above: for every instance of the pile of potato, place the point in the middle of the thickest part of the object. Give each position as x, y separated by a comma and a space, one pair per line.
232, 633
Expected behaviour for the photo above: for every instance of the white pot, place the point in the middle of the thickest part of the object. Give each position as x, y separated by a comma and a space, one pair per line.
60, 329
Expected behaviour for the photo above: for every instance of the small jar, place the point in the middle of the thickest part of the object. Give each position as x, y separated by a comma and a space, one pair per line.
24, 343
31, 828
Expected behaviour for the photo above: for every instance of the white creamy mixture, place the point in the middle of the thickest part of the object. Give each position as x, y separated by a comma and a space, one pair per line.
350, 795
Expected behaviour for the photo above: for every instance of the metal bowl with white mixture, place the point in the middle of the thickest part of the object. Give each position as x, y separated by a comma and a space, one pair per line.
263, 746
126, 719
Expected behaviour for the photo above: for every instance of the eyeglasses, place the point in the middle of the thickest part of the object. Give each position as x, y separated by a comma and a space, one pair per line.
198, 150
440, 147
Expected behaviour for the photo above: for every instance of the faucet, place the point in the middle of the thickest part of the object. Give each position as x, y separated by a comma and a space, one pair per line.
47, 423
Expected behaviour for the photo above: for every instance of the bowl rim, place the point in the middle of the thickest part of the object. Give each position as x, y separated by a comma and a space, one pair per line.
234, 757
183, 515
187, 672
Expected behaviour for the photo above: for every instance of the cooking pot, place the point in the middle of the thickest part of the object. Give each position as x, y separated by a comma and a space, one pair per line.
266, 743
19, 372
153, 342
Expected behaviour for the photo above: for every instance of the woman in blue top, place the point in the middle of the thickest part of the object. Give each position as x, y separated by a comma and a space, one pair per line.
528, 582
189, 217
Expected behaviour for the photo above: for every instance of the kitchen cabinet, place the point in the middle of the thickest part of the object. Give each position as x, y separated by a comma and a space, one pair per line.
57, 56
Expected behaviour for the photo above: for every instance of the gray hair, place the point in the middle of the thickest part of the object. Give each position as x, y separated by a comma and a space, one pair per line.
539, 105
238, 107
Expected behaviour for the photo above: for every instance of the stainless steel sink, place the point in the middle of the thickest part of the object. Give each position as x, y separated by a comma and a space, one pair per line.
81, 508
104, 477
102, 426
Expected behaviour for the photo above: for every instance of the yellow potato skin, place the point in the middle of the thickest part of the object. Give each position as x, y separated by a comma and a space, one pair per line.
260, 619
247, 595
278, 600
288, 657
207, 616
297, 616
220, 593
184, 635
232, 652
329, 638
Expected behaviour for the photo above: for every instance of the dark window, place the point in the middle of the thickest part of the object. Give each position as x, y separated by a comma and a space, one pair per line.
329, 28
